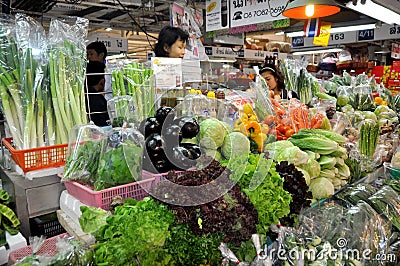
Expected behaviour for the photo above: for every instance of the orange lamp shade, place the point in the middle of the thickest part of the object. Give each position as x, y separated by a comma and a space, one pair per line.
299, 9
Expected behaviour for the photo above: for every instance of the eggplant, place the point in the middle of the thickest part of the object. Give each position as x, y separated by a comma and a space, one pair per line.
171, 135
181, 158
155, 147
162, 113
193, 148
161, 165
188, 125
149, 126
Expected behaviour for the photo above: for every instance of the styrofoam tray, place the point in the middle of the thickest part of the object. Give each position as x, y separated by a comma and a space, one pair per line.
71, 206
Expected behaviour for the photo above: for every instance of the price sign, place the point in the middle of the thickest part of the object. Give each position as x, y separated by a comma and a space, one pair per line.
297, 41
365, 35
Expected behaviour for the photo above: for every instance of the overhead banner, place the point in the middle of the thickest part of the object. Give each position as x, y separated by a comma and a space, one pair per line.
245, 12
217, 15
113, 44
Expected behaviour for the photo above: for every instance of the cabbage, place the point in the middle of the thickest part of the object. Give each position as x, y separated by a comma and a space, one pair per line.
212, 133
321, 188
235, 142
312, 167
293, 155
370, 115
192, 141
305, 175
215, 154
380, 109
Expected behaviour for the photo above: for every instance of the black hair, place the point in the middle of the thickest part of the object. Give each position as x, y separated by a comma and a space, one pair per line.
167, 37
271, 68
99, 47
94, 67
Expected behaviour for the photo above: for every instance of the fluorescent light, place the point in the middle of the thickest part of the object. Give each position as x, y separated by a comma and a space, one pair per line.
332, 50
108, 29
353, 28
336, 30
375, 11
280, 33
295, 34
221, 60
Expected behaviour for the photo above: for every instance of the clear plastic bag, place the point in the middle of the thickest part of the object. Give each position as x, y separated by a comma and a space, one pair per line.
229, 256
386, 201
120, 159
83, 155
123, 109
67, 68
35, 259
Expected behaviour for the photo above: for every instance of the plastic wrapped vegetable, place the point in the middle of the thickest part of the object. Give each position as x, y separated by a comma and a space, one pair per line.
122, 109
83, 153
369, 134
121, 158
387, 202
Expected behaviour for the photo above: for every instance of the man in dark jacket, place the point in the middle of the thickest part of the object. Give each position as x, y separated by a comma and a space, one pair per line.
96, 104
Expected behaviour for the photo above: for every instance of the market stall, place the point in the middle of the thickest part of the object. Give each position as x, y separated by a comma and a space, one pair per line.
222, 176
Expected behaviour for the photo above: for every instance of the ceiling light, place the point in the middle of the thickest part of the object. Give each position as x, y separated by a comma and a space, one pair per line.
280, 33
336, 30
305, 9
221, 60
108, 29
331, 50
375, 11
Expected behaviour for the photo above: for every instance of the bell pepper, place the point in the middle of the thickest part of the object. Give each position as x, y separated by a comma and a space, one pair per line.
248, 109
253, 128
253, 117
259, 139
264, 128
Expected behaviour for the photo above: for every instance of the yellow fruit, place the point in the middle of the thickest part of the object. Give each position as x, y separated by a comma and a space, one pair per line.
384, 103
378, 100
211, 94
248, 109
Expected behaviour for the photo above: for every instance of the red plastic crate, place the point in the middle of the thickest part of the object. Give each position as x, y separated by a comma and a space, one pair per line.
37, 158
48, 249
103, 198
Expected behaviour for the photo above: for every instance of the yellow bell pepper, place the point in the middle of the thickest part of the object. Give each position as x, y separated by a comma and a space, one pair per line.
264, 128
259, 139
253, 117
253, 128
248, 109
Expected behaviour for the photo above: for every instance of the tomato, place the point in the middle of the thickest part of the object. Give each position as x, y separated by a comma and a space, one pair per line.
289, 133
280, 128
286, 128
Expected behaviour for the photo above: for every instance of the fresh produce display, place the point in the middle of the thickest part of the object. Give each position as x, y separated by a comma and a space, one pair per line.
232, 214
135, 79
121, 159
163, 148
263, 186
39, 103
294, 183
8, 220
369, 134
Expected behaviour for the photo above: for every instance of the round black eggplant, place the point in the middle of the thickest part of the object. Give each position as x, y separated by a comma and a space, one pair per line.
162, 113
188, 125
171, 135
149, 126
181, 158
193, 148
155, 147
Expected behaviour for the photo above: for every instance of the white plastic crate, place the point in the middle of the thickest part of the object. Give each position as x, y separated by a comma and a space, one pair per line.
71, 206
14, 242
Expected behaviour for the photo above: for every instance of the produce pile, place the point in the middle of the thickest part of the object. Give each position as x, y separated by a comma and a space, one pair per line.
8, 220
39, 102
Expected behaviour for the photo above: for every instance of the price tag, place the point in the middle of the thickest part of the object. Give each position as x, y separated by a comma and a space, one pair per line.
365, 35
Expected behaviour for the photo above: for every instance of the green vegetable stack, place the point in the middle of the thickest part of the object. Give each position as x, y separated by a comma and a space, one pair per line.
8, 220
136, 80
326, 150
369, 135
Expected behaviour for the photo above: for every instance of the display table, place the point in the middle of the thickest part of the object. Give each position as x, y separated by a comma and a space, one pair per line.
32, 197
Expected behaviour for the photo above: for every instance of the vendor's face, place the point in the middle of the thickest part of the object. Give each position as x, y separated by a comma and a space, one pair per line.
177, 49
270, 79
92, 55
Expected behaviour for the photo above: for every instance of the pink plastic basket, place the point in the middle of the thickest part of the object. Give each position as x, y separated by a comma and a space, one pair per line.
103, 198
48, 249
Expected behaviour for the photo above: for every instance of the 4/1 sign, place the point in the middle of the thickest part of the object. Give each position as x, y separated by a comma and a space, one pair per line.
365, 35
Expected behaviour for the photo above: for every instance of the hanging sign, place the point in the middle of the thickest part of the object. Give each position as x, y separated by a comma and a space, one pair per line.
217, 15
365, 35
387, 32
245, 12
113, 44
395, 51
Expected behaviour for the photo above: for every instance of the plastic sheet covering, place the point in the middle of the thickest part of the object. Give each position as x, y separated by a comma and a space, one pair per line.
123, 109
229, 256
